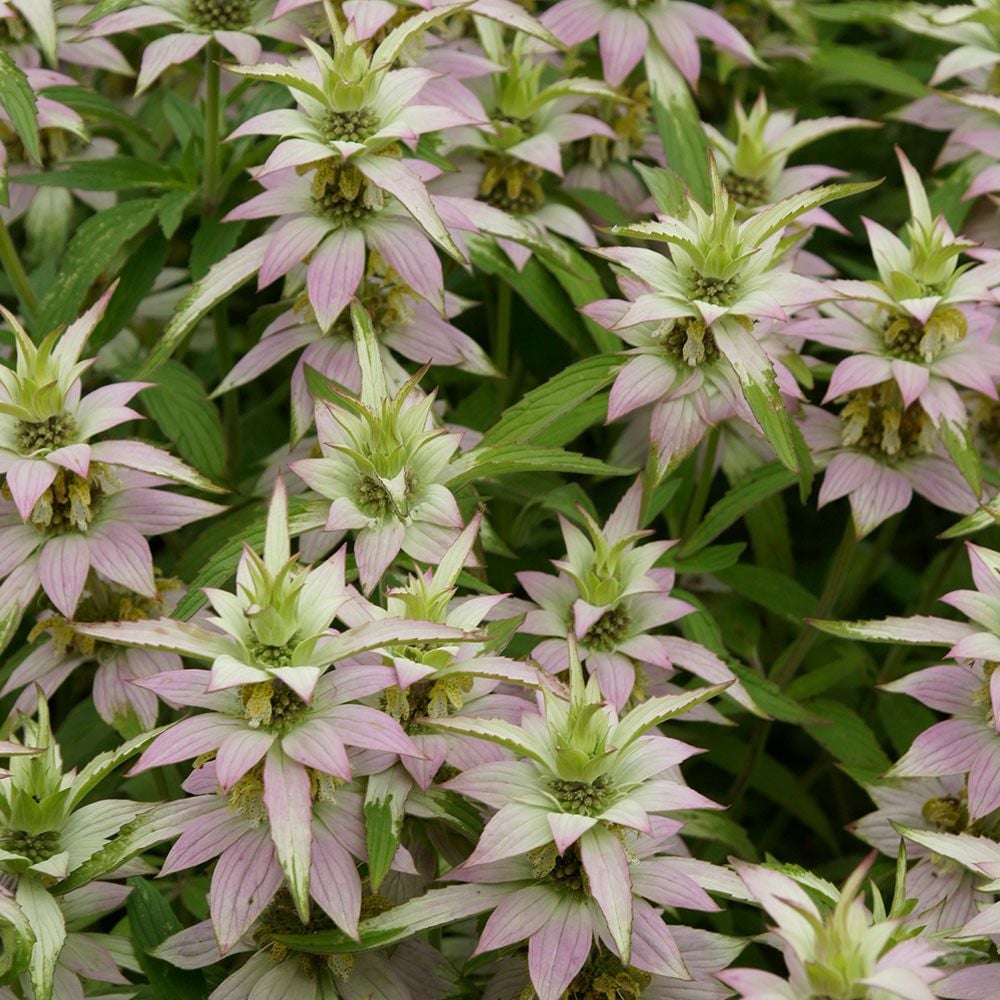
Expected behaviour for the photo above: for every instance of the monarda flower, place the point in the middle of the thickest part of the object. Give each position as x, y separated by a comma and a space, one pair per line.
332, 218
917, 325
47, 833
235, 25
413, 970
384, 467
754, 164
627, 30
721, 276
574, 943
945, 893
47, 212
589, 778
122, 703
521, 151
609, 595
842, 949
878, 452
69, 504
235, 826
967, 688
404, 323
352, 105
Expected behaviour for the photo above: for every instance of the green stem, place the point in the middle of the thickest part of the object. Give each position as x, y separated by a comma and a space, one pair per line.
15, 272
213, 123
789, 664
230, 410
704, 484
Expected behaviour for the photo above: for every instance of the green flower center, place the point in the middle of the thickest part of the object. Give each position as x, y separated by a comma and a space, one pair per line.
271, 656
44, 435
343, 194
748, 191
586, 797
688, 341
949, 814
511, 185
717, 291
33, 846
280, 917
220, 15
564, 871
875, 421
349, 126
605, 634
270, 704
605, 978
911, 340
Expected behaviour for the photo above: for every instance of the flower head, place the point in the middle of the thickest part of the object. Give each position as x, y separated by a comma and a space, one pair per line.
839, 948
236, 25
385, 464
694, 311
627, 30
609, 595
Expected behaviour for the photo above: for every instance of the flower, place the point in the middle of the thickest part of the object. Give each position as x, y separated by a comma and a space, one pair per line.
384, 466
99, 523
120, 702
334, 217
235, 826
925, 324
63, 138
692, 313
945, 894
877, 453
352, 105
754, 165
624, 29
403, 322
413, 970
840, 949
233, 24
47, 834
610, 594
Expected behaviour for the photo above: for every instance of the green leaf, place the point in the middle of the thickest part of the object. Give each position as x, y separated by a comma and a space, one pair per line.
987, 516
151, 921
964, 453
855, 11
432, 909
137, 279
171, 210
775, 782
99, 767
303, 515
849, 739
179, 405
667, 189
719, 828
712, 559
770, 589
91, 254
382, 835
96, 109
561, 395
741, 497
489, 461
582, 284
539, 290
856, 65
116, 173
46, 921
685, 143
769, 697
18, 100
220, 281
